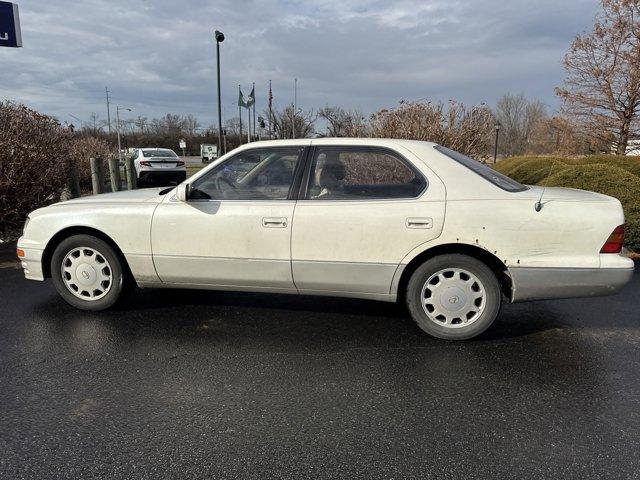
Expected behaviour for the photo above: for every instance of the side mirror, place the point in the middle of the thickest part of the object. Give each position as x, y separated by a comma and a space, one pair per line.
182, 192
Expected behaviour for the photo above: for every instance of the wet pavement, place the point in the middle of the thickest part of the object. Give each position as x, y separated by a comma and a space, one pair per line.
196, 384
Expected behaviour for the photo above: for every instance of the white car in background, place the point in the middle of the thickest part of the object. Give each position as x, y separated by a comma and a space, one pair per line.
367, 218
158, 166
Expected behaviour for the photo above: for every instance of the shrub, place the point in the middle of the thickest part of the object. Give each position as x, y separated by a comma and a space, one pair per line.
535, 170
34, 161
630, 164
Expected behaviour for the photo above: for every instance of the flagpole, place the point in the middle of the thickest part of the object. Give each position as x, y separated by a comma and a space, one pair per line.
295, 103
254, 110
249, 125
240, 112
270, 101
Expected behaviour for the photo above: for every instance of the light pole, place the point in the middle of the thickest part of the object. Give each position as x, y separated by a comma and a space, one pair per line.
118, 107
495, 148
219, 39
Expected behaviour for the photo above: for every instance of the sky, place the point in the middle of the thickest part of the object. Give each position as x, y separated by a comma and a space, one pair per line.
158, 56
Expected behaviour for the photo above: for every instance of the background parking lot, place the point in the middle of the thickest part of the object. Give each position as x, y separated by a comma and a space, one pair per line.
229, 385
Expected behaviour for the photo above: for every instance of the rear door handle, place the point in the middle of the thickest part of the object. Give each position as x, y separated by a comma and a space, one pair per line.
274, 222
419, 222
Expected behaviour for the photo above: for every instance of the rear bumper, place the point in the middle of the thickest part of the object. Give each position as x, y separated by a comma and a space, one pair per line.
549, 283
161, 177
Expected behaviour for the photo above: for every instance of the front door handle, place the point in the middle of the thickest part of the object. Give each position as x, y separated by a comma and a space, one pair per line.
419, 222
274, 222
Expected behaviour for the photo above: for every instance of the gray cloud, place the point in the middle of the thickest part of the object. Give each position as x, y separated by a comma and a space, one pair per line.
158, 56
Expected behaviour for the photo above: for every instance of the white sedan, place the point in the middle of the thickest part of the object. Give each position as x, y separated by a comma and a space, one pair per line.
158, 166
367, 218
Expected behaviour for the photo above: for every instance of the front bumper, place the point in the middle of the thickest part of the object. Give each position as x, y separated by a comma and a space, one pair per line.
550, 283
32, 261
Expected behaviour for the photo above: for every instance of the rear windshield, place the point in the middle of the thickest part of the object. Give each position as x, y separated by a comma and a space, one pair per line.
486, 172
158, 153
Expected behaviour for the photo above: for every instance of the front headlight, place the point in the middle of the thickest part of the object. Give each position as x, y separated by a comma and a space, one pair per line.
24, 229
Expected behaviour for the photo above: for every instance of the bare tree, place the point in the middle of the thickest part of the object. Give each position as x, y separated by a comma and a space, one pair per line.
190, 124
172, 123
283, 123
343, 123
602, 86
467, 130
520, 120
141, 124
95, 124
231, 125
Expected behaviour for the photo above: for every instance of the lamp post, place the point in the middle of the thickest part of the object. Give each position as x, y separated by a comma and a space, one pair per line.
118, 108
495, 148
219, 39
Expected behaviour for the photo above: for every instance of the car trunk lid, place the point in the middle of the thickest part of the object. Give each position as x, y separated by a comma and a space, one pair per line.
161, 162
564, 194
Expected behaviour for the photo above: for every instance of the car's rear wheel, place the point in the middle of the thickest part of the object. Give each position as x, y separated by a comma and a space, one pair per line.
454, 297
87, 272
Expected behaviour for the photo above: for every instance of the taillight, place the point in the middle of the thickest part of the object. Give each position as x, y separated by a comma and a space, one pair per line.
145, 164
615, 241
20, 252
179, 164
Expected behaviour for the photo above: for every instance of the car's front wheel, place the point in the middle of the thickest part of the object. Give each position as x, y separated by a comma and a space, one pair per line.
455, 297
87, 272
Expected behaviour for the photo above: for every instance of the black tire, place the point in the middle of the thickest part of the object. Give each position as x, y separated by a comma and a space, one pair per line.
119, 274
492, 297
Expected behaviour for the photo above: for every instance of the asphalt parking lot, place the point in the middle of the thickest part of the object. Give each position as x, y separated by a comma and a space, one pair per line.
199, 384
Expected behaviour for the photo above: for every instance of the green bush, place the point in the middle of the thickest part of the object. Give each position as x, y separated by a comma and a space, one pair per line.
630, 164
535, 170
617, 177
512, 166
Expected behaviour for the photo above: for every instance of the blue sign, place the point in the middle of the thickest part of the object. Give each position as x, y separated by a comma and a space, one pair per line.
9, 25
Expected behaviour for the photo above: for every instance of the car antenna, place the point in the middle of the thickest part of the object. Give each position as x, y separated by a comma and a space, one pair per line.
538, 206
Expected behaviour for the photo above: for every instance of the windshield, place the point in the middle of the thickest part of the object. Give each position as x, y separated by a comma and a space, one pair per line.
159, 152
486, 172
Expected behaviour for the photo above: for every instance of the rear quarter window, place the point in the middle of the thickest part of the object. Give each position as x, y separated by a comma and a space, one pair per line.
486, 172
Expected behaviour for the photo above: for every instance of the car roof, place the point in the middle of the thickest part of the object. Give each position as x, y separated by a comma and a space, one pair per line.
368, 141
338, 141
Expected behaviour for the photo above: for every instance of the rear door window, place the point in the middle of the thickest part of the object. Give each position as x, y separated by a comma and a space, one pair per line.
362, 173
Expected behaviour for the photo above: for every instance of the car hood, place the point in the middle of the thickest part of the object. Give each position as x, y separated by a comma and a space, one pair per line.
142, 195
565, 194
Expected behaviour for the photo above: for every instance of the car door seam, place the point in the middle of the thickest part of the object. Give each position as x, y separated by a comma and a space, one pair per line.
293, 216
153, 216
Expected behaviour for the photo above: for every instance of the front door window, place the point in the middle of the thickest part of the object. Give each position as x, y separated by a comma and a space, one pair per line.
258, 174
